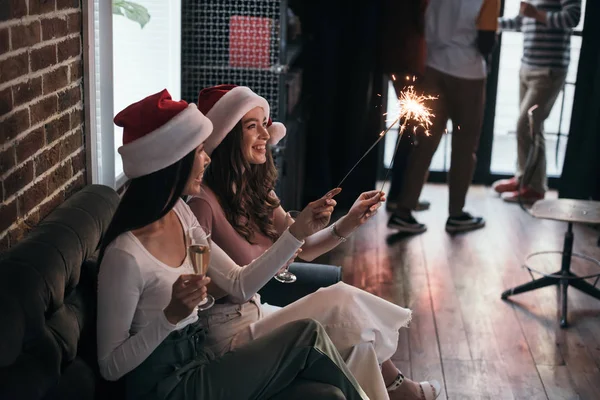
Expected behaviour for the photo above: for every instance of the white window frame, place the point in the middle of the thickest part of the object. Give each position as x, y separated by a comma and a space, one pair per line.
98, 93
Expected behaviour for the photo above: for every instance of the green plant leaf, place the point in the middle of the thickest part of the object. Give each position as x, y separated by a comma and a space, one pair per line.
132, 11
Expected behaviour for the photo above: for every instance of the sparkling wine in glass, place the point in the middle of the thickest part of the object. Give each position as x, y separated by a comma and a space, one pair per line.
286, 276
198, 248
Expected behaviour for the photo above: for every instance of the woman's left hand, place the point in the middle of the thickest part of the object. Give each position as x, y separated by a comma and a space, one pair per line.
362, 210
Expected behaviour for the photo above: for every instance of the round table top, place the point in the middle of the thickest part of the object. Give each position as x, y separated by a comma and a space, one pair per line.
568, 210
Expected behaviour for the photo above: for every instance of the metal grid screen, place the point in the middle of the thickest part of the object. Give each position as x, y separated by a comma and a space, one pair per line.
231, 42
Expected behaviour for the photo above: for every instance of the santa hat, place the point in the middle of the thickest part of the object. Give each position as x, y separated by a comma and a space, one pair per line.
158, 132
225, 105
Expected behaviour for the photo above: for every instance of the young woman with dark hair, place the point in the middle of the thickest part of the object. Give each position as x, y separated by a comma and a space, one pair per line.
148, 330
246, 217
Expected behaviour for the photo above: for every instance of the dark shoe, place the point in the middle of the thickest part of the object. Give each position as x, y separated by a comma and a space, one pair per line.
527, 194
393, 206
463, 223
408, 225
506, 185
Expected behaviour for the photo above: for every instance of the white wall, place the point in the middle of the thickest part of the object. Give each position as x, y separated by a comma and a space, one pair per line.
146, 60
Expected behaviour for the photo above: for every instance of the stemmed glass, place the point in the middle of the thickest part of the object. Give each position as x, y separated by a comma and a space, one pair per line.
198, 248
286, 276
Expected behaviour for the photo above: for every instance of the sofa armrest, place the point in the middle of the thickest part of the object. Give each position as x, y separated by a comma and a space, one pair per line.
310, 278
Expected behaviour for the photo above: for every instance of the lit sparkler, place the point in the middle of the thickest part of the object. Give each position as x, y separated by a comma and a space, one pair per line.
412, 108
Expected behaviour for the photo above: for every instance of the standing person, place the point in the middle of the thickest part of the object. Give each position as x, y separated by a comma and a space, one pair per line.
403, 53
238, 201
546, 27
148, 329
460, 34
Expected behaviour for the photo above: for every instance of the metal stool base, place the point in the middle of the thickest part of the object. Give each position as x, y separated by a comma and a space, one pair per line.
564, 278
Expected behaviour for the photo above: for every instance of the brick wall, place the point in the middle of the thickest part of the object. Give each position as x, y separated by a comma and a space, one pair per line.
42, 157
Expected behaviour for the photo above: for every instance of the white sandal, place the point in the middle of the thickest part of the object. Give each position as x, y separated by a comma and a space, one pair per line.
430, 390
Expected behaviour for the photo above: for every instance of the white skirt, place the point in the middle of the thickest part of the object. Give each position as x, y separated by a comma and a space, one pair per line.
363, 327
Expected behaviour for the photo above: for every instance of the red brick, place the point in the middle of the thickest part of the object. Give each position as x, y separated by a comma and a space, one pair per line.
18, 179
70, 144
41, 6
43, 109
69, 98
76, 118
14, 67
78, 162
75, 25
57, 128
33, 196
42, 57
27, 91
4, 42
60, 176
25, 35
69, 48
13, 125
30, 144
32, 219
8, 214
18, 232
56, 79
4, 243
63, 4
6, 102
74, 186
51, 204
47, 159
76, 70
7, 159
12, 9
54, 27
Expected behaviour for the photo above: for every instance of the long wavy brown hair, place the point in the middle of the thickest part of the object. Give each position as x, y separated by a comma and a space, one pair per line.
243, 189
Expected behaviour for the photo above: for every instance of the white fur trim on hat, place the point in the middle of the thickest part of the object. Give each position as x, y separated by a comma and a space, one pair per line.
229, 110
166, 145
277, 132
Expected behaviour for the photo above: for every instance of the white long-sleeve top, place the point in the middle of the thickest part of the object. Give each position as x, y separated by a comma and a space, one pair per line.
134, 288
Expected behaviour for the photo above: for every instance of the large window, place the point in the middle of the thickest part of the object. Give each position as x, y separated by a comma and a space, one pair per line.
132, 52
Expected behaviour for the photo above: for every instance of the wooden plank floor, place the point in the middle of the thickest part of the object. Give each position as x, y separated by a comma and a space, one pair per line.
462, 333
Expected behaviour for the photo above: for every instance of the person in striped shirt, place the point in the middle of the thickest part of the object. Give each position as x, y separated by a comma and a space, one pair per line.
546, 27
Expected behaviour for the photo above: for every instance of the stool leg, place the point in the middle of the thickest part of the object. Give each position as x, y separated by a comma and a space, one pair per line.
526, 287
586, 288
564, 285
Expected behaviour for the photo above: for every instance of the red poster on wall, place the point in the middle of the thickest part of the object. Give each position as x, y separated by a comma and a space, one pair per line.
249, 41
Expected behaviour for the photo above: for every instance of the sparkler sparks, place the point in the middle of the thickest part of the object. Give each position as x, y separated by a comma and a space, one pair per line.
412, 109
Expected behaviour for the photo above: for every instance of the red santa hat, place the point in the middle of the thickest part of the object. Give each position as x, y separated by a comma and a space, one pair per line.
158, 132
225, 105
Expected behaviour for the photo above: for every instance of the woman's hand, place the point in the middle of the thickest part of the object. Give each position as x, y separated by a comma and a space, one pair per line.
291, 260
188, 291
315, 216
365, 207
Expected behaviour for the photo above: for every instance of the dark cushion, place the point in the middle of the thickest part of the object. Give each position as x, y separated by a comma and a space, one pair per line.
47, 301
311, 277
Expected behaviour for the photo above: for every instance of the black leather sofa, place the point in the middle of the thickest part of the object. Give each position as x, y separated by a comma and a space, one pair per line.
48, 296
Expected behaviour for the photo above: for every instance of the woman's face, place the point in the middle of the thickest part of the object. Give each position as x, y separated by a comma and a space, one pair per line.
255, 136
201, 161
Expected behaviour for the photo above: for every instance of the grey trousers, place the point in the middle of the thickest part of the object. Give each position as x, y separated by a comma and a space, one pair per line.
296, 361
539, 86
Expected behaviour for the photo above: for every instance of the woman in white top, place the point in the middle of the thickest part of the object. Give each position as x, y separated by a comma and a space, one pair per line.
148, 331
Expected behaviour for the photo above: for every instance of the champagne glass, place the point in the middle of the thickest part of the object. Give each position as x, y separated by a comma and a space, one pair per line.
198, 248
286, 276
